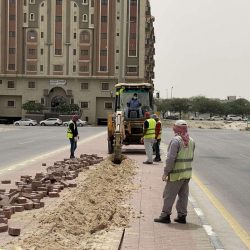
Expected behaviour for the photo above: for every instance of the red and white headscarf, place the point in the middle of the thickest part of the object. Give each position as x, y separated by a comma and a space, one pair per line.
180, 128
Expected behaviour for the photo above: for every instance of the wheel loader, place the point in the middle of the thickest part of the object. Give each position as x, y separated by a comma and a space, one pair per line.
125, 126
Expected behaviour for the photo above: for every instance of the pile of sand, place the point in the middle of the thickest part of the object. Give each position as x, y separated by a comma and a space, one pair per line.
97, 204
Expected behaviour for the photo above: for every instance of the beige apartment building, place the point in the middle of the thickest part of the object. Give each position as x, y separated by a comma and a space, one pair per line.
74, 52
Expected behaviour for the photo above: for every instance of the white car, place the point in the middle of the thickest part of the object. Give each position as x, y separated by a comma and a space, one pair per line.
216, 118
234, 118
51, 122
80, 123
25, 122
197, 118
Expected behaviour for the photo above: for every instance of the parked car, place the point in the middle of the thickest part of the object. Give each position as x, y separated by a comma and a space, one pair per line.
233, 118
196, 118
216, 118
171, 117
79, 123
51, 122
25, 122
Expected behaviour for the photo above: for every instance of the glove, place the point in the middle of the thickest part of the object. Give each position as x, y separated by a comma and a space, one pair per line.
164, 177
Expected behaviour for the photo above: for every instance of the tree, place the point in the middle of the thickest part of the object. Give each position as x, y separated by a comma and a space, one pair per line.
67, 109
163, 106
33, 107
240, 106
180, 105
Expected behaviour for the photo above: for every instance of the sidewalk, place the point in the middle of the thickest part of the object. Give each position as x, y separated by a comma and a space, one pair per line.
144, 233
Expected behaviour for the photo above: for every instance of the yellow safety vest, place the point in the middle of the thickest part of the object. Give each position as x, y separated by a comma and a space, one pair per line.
151, 128
183, 167
69, 132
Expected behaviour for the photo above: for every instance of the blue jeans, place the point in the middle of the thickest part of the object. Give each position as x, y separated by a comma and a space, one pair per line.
73, 146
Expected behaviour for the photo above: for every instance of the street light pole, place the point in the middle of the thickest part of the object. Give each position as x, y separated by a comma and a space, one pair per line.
172, 92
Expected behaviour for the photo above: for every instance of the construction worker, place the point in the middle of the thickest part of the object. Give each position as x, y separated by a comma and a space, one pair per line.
133, 104
72, 135
157, 143
149, 137
177, 174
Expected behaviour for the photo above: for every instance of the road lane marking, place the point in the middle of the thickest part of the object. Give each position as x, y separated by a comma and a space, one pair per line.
237, 228
45, 155
25, 142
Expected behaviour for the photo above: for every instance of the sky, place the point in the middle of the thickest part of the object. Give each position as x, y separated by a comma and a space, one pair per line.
202, 48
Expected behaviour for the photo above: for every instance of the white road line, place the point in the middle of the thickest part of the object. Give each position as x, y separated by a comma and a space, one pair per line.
45, 155
209, 230
25, 142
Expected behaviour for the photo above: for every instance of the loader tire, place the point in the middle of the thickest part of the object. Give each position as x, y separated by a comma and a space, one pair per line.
110, 146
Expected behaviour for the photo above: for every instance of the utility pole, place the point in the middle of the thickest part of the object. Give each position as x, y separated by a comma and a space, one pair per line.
172, 92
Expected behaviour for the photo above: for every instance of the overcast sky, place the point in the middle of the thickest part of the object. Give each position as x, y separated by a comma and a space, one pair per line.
202, 48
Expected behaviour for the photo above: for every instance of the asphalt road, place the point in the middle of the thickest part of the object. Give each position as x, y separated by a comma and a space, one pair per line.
22, 143
222, 162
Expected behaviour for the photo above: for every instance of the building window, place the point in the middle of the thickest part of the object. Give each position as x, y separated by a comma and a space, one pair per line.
58, 52
25, 17
132, 19
104, 19
42, 101
74, 68
58, 18
108, 105
132, 52
58, 35
31, 67
41, 51
41, 34
84, 52
85, 18
92, 18
104, 36
133, 2
132, 69
92, 3
84, 105
104, 2
10, 84
74, 35
25, 2
75, 19
84, 68
84, 37
12, 50
12, 34
117, 51
58, 67
74, 52
103, 52
85, 2
11, 104
72, 101
117, 34
32, 16
32, 51
12, 66
133, 35
12, 17
32, 1
103, 68
58, 2
42, 18
105, 86
41, 68
84, 85
31, 85
1, 81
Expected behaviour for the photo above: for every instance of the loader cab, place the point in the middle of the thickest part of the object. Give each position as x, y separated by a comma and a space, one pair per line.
134, 100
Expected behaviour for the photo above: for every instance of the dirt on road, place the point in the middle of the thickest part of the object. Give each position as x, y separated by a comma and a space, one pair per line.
82, 217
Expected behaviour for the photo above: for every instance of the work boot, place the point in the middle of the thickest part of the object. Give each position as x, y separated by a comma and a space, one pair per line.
161, 219
157, 159
181, 219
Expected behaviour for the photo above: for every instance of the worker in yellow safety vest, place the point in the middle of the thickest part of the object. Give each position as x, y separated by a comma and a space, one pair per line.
158, 130
177, 174
149, 137
72, 135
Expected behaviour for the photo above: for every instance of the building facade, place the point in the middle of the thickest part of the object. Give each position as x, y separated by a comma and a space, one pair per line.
74, 52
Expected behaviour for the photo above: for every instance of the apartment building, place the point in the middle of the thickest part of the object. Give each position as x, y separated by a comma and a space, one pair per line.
64, 51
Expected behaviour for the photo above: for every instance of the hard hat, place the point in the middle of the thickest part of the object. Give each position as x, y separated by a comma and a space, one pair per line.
75, 118
154, 116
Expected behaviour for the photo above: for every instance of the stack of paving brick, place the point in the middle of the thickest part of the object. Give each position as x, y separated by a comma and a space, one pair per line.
30, 191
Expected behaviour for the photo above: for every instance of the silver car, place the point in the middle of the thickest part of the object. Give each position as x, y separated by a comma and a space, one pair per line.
51, 122
80, 123
25, 122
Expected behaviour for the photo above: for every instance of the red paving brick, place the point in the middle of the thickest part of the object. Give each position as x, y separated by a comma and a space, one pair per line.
143, 233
